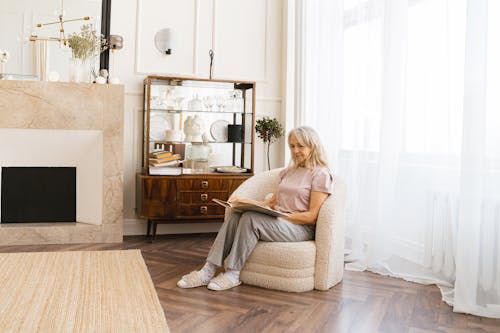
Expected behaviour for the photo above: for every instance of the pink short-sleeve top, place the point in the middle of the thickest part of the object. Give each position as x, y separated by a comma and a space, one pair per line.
295, 187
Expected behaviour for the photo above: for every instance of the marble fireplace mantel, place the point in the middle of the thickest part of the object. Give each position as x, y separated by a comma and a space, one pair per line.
79, 107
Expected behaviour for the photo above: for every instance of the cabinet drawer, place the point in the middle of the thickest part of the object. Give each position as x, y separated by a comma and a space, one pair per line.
200, 197
207, 184
201, 210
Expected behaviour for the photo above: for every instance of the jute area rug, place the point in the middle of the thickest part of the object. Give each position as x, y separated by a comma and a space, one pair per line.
81, 291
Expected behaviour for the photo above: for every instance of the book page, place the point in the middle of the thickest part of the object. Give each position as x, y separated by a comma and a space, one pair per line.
243, 207
222, 202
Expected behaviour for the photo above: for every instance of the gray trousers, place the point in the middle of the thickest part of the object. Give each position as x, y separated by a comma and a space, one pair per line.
240, 233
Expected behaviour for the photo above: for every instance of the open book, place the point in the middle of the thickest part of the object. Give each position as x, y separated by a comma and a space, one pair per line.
243, 207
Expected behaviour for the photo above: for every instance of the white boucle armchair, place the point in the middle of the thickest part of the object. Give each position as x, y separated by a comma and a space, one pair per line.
298, 266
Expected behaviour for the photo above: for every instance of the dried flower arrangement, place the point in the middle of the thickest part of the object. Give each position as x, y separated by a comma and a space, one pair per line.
87, 43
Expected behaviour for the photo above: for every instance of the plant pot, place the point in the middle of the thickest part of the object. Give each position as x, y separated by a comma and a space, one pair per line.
235, 133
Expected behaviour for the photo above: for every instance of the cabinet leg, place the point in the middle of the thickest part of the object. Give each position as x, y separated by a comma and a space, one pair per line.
148, 232
154, 230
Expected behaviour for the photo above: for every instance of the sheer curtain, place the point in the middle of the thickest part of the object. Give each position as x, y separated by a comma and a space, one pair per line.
406, 95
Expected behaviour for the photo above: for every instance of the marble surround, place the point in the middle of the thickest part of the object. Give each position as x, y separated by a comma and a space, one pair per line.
70, 106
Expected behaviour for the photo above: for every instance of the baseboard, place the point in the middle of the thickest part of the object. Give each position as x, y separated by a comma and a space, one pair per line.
138, 227
408, 249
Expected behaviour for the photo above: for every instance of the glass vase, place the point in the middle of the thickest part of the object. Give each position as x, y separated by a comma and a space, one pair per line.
79, 70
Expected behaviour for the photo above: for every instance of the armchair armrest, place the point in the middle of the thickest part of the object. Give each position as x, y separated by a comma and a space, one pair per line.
330, 238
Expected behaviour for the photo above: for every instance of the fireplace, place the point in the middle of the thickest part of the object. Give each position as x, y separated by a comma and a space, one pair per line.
58, 126
55, 150
38, 194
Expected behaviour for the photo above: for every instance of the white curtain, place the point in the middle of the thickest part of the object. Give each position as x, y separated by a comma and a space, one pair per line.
406, 96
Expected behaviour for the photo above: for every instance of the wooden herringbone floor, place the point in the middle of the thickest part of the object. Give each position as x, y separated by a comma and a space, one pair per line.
363, 302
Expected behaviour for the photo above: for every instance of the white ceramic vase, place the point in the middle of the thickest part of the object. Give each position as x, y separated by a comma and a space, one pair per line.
79, 70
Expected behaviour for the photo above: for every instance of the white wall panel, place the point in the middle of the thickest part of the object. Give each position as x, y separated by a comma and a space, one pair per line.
240, 39
11, 24
205, 37
181, 16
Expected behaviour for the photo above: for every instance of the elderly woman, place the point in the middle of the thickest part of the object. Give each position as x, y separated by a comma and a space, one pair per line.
303, 187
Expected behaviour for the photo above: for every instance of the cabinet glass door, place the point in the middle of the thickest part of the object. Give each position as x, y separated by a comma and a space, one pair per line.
210, 123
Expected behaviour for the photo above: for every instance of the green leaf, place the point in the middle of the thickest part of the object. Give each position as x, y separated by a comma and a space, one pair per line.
268, 129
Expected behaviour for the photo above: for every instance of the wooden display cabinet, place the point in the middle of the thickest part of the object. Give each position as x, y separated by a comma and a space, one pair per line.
220, 107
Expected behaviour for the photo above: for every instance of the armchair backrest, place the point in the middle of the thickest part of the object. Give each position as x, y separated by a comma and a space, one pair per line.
258, 186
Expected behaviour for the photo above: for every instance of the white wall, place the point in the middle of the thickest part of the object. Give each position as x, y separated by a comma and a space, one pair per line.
246, 36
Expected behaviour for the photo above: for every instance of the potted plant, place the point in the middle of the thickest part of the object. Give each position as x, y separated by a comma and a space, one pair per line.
269, 130
85, 46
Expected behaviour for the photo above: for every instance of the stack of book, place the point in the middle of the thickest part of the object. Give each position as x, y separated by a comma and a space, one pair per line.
163, 158
164, 163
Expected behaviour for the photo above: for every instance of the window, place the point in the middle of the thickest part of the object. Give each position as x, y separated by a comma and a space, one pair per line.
434, 74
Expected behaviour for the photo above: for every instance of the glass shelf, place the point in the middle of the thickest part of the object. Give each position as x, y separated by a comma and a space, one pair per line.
198, 111
152, 141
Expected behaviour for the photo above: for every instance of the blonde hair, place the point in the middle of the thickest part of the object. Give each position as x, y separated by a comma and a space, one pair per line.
309, 138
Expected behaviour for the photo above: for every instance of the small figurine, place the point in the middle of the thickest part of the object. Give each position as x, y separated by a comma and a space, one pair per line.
194, 128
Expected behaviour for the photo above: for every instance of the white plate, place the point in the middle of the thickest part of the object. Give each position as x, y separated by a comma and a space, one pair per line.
159, 125
231, 169
218, 130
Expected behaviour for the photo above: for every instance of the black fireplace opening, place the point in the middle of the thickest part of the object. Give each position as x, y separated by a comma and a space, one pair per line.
38, 194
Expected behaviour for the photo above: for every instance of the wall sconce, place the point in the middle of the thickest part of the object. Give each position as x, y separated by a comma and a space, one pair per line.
115, 43
164, 41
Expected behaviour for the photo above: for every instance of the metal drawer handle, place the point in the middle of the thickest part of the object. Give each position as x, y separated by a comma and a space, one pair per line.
203, 209
204, 184
204, 197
